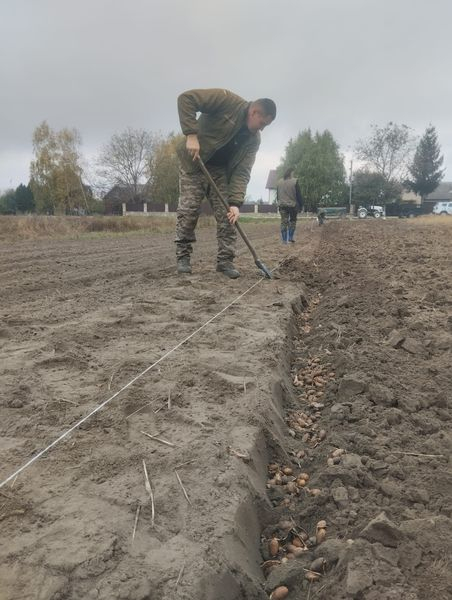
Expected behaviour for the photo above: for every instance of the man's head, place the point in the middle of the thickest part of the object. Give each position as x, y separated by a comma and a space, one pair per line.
260, 114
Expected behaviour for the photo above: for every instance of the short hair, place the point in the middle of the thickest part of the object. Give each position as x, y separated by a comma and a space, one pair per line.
288, 173
268, 107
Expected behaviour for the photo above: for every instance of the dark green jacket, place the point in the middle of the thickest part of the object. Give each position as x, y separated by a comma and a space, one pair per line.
288, 194
222, 115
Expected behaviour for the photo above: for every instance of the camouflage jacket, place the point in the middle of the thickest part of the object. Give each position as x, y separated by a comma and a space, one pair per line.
222, 115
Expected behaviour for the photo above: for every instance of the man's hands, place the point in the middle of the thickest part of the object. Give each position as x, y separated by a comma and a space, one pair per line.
192, 145
233, 214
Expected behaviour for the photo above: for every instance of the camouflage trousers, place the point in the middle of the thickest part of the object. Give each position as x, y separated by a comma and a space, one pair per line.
288, 217
193, 188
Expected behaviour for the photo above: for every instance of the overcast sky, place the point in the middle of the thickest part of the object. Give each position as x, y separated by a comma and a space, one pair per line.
104, 65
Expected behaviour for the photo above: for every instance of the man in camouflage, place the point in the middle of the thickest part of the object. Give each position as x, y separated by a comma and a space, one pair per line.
288, 197
226, 137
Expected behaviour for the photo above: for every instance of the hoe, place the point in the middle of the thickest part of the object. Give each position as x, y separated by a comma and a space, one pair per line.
259, 264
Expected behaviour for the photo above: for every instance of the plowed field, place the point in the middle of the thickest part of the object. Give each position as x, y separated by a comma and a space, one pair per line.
338, 369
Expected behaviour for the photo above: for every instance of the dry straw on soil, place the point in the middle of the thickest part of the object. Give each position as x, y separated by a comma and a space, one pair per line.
44, 227
434, 220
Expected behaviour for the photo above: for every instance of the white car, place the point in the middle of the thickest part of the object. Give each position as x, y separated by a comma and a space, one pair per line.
442, 208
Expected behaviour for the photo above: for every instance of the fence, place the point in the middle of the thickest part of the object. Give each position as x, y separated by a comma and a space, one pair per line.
148, 208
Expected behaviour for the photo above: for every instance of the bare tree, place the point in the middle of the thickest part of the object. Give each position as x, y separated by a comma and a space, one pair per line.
125, 160
388, 150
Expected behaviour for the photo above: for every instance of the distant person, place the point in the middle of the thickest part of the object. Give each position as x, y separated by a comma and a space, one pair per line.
226, 136
321, 215
288, 197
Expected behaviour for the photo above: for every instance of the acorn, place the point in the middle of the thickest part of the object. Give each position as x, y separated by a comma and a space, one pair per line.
318, 565
337, 452
320, 536
285, 525
273, 547
303, 536
291, 487
279, 593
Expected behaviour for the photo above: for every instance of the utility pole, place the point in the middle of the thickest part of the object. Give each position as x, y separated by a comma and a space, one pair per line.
351, 185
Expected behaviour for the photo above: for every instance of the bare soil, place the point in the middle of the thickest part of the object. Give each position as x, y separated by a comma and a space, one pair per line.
355, 334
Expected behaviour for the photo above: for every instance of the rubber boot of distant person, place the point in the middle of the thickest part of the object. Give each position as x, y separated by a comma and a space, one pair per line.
226, 136
290, 203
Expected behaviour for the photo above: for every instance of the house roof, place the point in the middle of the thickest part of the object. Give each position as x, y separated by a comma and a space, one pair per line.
442, 192
272, 180
126, 192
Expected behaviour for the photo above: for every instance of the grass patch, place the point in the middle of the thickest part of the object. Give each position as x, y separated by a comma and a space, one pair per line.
34, 227
247, 219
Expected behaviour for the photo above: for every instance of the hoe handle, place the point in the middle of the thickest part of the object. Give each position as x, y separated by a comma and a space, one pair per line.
225, 203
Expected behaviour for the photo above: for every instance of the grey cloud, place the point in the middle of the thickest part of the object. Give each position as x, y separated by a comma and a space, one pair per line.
103, 65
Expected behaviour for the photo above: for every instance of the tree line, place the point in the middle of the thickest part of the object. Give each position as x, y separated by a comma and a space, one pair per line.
145, 165
393, 159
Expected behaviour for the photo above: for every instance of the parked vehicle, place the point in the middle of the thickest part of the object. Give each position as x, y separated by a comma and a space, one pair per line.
406, 210
335, 211
324, 212
442, 208
393, 209
371, 211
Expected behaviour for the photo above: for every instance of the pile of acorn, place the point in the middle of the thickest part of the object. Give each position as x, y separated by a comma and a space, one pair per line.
335, 457
305, 426
313, 378
292, 484
290, 542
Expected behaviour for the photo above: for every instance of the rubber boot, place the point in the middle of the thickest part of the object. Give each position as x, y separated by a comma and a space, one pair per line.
291, 234
227, 268
284, 235
183, 265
